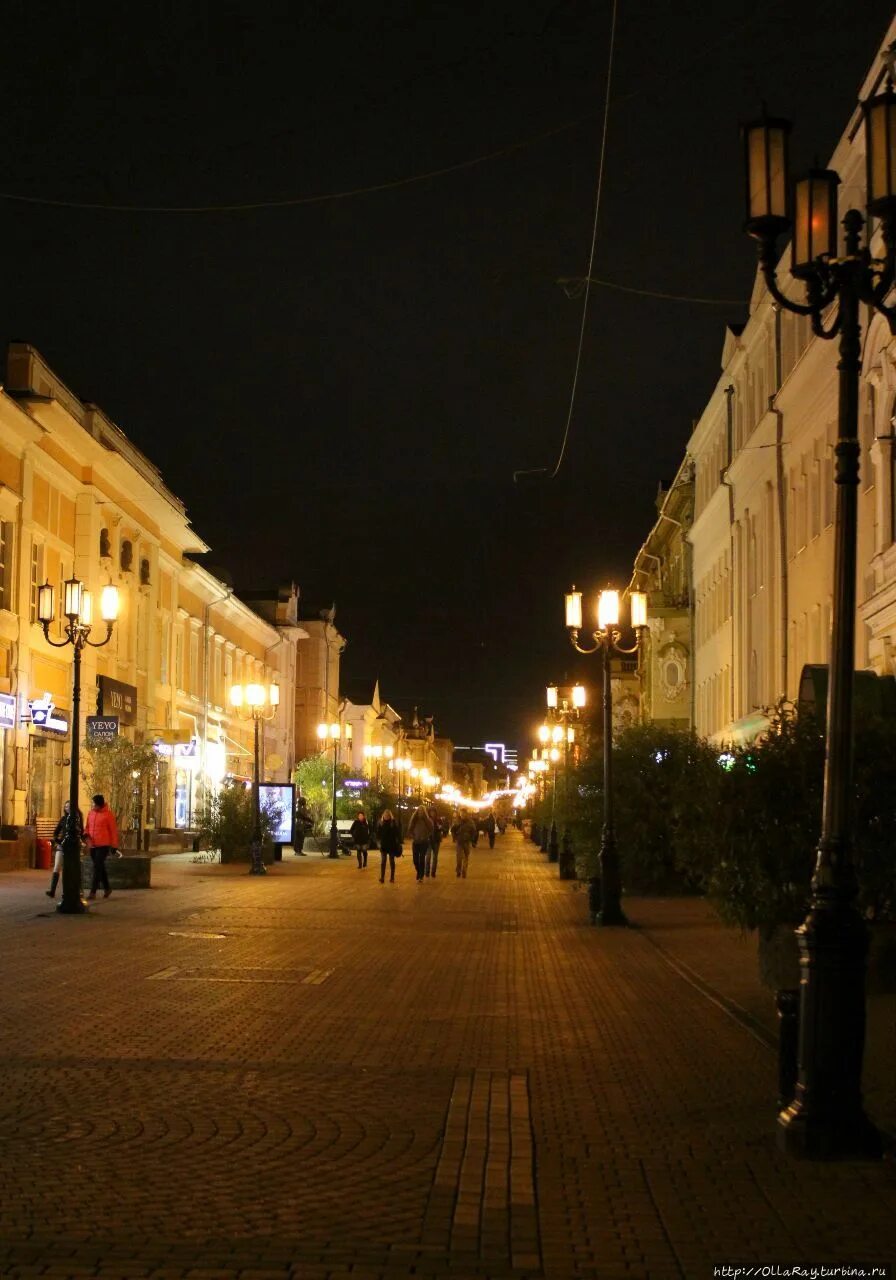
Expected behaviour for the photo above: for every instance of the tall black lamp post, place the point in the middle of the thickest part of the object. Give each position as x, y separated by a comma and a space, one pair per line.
256, 702
78, 613
334, 733
605, 890
827, 1118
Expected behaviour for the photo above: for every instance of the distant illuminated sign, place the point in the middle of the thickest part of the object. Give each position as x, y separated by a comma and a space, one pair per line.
496, 751
46, 718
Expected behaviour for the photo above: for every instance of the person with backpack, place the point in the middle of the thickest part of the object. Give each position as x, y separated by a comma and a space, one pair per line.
435, 840
464, 832
420, 830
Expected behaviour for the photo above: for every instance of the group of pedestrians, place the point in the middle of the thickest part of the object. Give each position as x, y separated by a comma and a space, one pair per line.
426, 831
99, 833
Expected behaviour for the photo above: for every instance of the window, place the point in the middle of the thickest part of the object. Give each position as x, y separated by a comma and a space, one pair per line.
126, 559
105, 545
179, 659
144, 572
815, 485
37, 573
194, 663
827, 483
6, 564
867, 417
164, 654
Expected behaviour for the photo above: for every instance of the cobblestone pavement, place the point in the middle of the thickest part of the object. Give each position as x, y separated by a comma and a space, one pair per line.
315, 1075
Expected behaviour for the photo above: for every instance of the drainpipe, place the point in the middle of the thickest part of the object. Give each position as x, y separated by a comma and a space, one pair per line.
780, 481
729, 449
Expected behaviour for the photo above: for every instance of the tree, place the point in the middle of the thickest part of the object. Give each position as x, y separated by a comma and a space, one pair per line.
227, 821
117, 770
313, 777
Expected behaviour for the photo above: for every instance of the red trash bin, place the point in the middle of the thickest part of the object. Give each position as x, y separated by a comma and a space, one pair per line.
44, 855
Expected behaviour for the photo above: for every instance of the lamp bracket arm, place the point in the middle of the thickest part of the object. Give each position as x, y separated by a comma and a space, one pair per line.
57, 644
623, 651
98, 644
770, 276
574, 641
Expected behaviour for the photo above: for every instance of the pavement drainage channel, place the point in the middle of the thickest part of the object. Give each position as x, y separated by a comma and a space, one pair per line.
293, 977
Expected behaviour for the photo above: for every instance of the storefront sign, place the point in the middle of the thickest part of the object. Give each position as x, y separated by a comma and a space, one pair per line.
7, 711
116, 699
102, 729
46, 717
355, 782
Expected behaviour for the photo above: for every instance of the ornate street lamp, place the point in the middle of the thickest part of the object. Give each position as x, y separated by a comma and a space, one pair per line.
605, 890
78, 613
827, 1117
333, 733
256, 702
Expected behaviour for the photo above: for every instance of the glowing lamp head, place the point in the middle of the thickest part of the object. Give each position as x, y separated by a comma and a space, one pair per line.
323, 731
274, 695
578, 695
86, 614
544, 732
766, 165
570, 735
557, 733
46, 605
72, 598
555, 755
552, 695
236, 695
639, 609
608, 609
574, 610
388, 752
255, 694
109, 603
334, 731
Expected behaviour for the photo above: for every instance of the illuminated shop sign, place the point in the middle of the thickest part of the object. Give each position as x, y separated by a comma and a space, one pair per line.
7, 711
46, 717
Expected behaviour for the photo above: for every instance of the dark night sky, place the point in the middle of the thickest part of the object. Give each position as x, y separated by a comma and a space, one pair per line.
341, 391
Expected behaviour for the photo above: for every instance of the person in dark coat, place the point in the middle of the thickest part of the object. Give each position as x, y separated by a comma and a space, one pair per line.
360, 834
435, 840
389, 836
420, 834
489, 828
303, 824
59, 835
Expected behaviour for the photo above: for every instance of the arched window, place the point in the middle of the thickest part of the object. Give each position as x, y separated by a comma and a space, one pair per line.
144, 572
105, 544
126, 558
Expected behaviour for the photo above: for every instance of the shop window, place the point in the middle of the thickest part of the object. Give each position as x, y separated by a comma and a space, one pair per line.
126, 558
6, 564
105, 545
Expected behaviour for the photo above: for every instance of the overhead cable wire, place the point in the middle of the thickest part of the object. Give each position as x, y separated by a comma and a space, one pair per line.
574, 285
600, 183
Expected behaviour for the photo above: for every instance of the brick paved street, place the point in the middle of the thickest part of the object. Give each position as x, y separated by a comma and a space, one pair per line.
314, 1075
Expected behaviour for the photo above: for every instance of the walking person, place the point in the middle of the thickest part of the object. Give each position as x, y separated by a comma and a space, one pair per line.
389, 836
102, 837
303, 824
489, 827
464, 832
435, 840
420, 833
59, 835
360, 834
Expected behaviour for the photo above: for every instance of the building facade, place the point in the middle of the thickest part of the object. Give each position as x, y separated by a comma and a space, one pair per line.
77, 497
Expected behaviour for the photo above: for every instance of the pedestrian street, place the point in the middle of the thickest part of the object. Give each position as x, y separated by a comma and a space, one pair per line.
312, 1074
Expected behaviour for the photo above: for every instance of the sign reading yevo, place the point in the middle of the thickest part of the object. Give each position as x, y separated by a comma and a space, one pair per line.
101, 729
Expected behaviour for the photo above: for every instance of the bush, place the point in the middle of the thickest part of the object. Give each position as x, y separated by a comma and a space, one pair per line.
227, 820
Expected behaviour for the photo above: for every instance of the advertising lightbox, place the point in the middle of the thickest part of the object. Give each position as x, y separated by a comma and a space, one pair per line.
278, 799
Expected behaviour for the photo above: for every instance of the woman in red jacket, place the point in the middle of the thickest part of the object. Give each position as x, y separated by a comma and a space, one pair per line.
102, 837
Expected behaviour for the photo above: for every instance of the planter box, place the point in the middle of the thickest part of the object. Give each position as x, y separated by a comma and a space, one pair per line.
133, 871
242, 855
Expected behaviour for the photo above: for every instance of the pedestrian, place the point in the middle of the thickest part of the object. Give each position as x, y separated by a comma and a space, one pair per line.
389, 835
59, 835
303, 825
435, 840
464, 833
360, 834
102, 837
489, 827
420, 834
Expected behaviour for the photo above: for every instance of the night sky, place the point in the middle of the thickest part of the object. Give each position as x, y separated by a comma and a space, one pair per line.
341, 391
